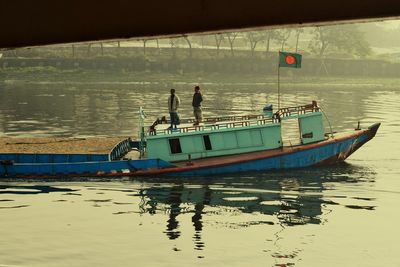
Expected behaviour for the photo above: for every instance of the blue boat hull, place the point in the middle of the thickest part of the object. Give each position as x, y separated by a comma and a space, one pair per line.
300, 159
326, 152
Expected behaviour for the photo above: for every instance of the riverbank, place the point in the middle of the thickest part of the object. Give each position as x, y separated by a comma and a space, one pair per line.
199, 66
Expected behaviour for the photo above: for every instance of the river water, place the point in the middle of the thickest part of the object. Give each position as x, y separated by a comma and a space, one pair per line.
342, 215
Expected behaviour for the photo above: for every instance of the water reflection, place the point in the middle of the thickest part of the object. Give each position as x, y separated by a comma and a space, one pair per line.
289, 199
32, 189
276, 214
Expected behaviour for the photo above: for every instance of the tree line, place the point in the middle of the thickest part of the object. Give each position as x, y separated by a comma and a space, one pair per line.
320, 41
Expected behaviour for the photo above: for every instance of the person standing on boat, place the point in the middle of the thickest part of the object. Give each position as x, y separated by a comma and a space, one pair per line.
196, 103
173, 105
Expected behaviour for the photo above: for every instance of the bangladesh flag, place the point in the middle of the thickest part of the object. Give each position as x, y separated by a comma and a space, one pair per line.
289, 60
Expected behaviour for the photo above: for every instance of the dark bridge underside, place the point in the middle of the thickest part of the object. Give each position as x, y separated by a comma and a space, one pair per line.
41, 22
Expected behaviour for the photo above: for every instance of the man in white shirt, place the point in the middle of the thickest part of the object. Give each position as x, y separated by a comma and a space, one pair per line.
173, 105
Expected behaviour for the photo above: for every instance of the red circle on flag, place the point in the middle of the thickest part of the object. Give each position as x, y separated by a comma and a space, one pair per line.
290, 60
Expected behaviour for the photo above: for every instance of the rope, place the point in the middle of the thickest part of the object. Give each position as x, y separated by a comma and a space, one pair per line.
327, 119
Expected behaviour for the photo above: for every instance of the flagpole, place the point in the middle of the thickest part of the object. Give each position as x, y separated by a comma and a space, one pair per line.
286, 59
279, 94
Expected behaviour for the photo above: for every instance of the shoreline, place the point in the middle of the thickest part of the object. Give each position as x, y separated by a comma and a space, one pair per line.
145, 80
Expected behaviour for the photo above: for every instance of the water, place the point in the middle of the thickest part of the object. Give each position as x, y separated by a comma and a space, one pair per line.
342, 215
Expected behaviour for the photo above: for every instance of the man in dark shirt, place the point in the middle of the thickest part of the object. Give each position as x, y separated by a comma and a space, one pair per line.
196, 103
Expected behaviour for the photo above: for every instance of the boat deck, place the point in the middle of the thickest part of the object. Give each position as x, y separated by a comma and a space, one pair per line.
59, 145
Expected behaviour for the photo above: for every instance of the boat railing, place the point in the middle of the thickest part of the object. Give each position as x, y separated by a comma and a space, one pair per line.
164, 120
224, 122
296, 111
217, 123
120, 149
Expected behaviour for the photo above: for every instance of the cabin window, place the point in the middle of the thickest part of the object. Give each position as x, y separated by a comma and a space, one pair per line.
207, 142
175, 146
307, 135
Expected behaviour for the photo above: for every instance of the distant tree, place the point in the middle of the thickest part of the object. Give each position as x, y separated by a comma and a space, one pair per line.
298, 31
189, 44
119, 48
254, 37
354, 41
144, 45
218, 40
231, 39
379, 35
88, 49
269, 35
202, 41
158, 47
344, 38
173, 43
322, 38
281, 36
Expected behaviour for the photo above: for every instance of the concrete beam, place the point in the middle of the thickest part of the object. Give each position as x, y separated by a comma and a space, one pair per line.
42, 22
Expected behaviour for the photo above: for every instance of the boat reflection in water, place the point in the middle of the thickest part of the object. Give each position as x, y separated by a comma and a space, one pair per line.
276, 214
292, 198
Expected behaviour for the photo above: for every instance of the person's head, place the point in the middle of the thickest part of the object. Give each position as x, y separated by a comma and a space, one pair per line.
197, 88
172, 91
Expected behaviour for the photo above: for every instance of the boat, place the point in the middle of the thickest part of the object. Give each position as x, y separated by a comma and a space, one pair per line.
219, 145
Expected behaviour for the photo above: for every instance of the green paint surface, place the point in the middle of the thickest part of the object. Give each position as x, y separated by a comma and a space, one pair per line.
311, 127
223, 142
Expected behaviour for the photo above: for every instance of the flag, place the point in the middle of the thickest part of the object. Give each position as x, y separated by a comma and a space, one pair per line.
289, 60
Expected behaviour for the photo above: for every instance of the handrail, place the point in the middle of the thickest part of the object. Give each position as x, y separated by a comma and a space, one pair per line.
234, 121
261, 120
163, 120
120, 150
299, 110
